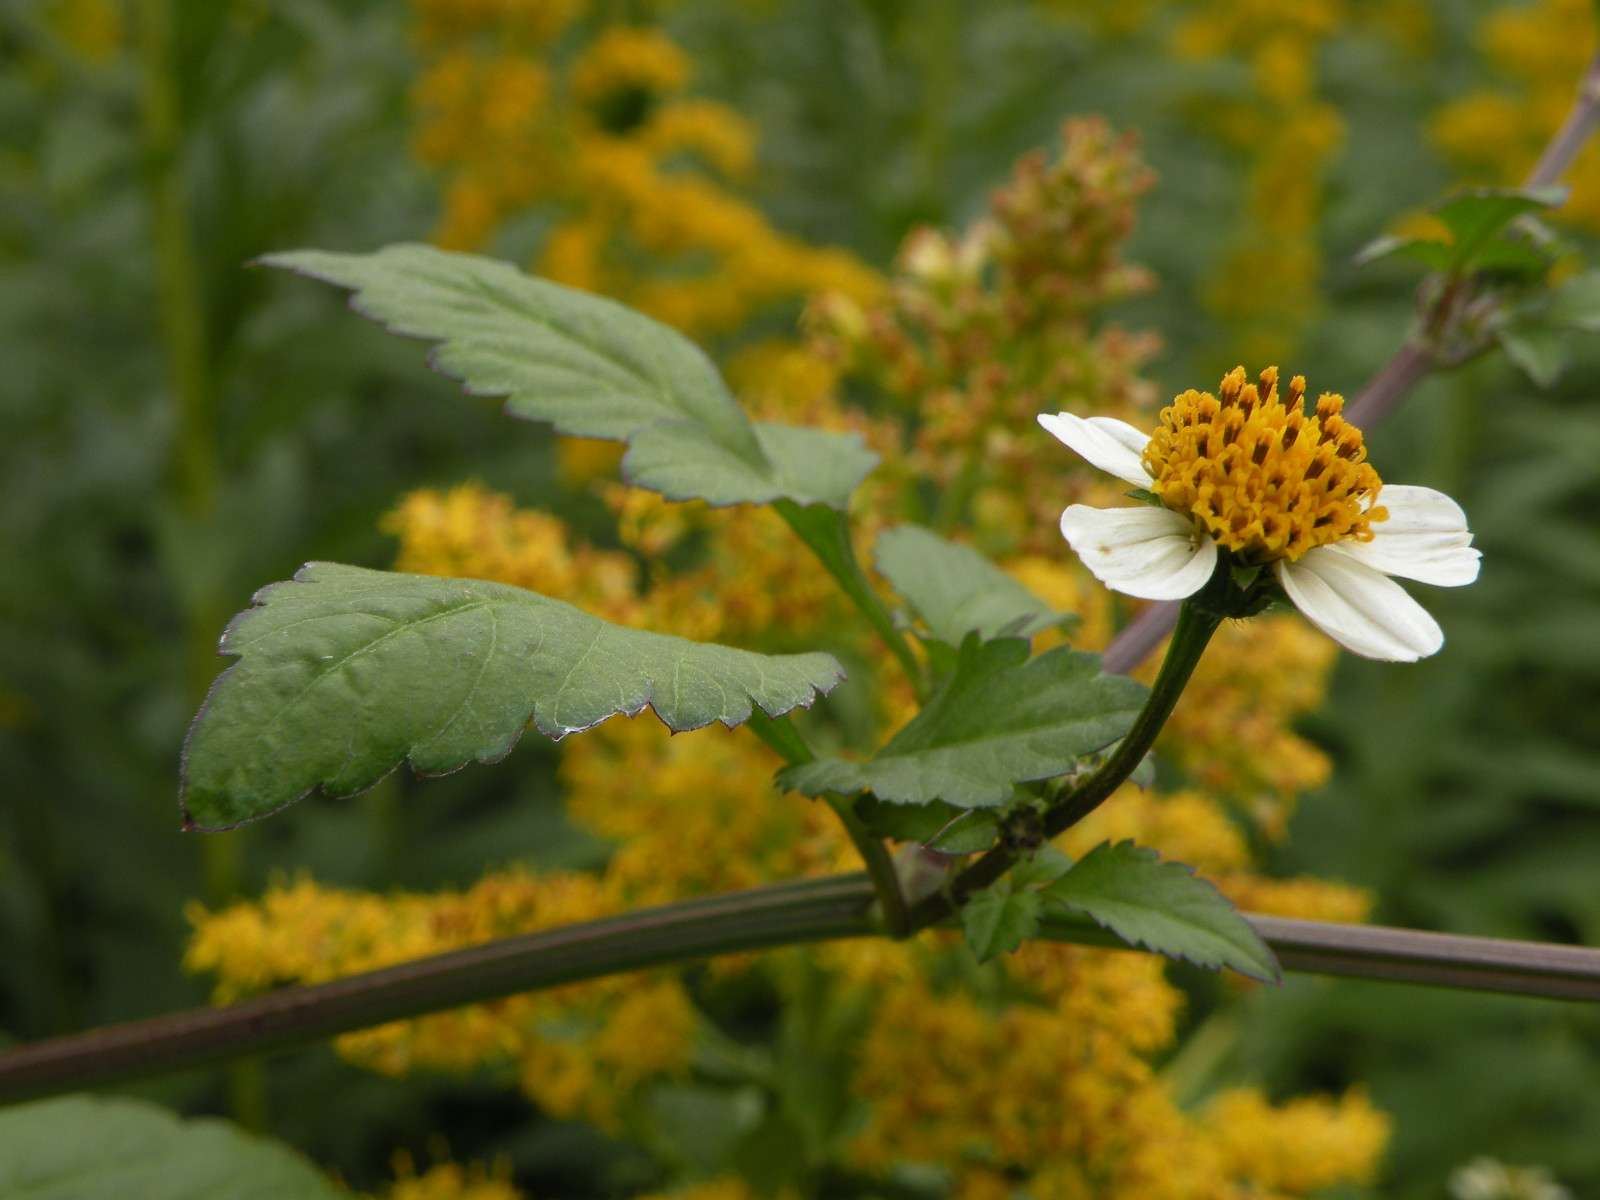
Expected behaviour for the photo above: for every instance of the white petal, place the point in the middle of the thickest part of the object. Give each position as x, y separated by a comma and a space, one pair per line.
1360, 608
1152, 553
1113, 446
1425, 538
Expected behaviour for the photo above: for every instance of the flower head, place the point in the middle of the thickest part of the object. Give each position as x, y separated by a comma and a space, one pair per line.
1252, 476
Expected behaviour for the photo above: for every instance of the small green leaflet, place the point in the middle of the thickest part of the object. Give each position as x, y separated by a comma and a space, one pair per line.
997, 720
1538, 349
1163, 906
345, 672
1476, 219
956, 590
1006, 913
592, 368
1476, 215
85, 1146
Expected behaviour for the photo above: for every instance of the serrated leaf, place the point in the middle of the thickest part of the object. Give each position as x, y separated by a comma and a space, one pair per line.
345, 672
956, 590
998, 920
80, 1147
1476, 215
939, 826
1005, 914
591, 368
1163, 906
999, 719
1539, 351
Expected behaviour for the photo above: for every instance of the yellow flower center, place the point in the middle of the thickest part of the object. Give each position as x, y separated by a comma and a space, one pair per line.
1265, 479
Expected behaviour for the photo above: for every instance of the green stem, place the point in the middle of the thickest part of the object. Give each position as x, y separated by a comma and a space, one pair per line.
1196, 623
827, 532
785, 739
194, 469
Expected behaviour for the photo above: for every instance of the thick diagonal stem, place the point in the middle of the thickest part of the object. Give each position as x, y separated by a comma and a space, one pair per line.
776, 915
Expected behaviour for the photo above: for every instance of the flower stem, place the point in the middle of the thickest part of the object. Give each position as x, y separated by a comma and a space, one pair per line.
1197, 621
785, 739
827, 532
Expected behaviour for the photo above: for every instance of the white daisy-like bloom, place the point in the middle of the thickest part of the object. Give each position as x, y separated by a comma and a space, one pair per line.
1254, 475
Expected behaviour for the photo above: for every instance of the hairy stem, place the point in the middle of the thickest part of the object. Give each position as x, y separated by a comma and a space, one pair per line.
776, 915
1196, 624
781, 735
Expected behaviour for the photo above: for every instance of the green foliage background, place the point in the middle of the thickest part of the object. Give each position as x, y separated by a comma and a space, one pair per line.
1467, 790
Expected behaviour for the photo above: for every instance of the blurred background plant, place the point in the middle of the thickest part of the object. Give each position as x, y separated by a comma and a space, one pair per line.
183, 430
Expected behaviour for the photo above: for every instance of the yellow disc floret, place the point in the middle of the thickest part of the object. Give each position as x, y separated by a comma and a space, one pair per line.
1265, 479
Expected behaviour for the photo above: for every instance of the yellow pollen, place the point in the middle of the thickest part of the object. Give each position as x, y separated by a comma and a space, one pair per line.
1266, 480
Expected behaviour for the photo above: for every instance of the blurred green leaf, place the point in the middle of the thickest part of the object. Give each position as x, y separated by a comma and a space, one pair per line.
1576, 303
956, 590
998, 720
1476, 215
345, 672
1164, 906
1538, 350
592, 368
1436, 256
86, 1148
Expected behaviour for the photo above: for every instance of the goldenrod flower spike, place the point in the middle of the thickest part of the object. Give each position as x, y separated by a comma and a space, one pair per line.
1255, 477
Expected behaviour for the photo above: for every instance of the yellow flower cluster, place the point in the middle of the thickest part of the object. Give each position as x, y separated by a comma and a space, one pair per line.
579, 1051
1288, 134
1050, 1093
94, 29
1496, 135
636, 174
1035, 1073
449, 1181
1232, 732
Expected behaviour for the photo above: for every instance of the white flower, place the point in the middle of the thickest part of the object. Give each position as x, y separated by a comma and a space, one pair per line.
1276, 487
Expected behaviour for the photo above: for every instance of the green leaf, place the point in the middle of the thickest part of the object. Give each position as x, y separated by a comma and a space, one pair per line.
86, 1147
592, 368
998, 920
938, 826
1516, 260
344, 672
956, 590
1476, 215
997, 720
1538, 350
1006, 913
1164, 906
1576, 303
1436, 256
